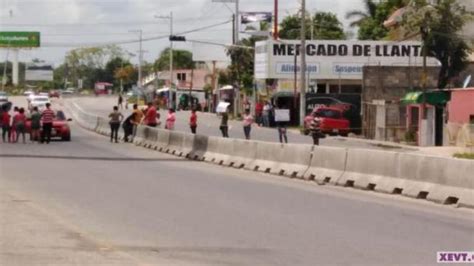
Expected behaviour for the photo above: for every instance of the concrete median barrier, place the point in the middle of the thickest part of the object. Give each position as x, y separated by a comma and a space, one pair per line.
443, 180
295, 160
243, 152
139, 138
372, 170
151, 138
199, 147
176, 143
163, 138
267, 158
327, 164
212, 152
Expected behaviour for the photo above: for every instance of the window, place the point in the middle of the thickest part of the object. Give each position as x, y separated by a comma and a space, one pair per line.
182, 76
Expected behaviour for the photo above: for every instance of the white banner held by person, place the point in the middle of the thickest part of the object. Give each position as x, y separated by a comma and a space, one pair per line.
282, 115
222, 107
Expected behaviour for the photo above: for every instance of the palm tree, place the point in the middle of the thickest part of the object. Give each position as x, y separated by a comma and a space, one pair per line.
361, 16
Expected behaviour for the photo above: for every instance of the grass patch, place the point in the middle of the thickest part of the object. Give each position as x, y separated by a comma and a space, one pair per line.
464, 155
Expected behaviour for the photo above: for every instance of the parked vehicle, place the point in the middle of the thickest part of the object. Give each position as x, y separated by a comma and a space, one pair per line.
54, 93
3, 97
39, 101
60, 128
332, 121
28, 93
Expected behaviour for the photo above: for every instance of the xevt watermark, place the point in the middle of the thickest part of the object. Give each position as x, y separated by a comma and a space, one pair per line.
455, 257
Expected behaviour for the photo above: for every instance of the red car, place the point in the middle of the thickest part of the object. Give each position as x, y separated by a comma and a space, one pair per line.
54, 94
60, 129
332, 121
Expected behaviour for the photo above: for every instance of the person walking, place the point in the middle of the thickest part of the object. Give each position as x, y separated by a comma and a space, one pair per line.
35, 124
315, 128
248, 121
5, 119
120, 101
115, 119
19, 120
258, 113
137, 119
151, 116
193, 121
282, 131
170, 120
224, 127
47, 117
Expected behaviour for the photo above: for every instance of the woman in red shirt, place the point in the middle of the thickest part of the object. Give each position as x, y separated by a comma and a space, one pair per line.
5, 126
193, 121
19, 121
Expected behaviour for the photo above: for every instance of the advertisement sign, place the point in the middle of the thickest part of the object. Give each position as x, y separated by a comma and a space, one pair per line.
39, 72
327, 59
249, 17
19, 39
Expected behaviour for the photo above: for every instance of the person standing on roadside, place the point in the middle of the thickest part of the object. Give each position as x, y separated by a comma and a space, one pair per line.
127, 126
137, 119
193, 121
5, 125
248, 121
171, 119
151, 116
282, 132
224, 127
35, 124
19, 120
115, 119
266, 114
315, 128
12, 127
258, 113
120, 101
47, 117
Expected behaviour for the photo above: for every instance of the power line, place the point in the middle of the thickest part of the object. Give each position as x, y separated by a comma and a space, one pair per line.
121, 42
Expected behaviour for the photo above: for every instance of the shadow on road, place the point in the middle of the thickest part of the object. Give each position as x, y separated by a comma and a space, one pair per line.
87, 158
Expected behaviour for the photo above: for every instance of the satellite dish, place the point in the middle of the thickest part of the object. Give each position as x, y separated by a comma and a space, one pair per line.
467, 81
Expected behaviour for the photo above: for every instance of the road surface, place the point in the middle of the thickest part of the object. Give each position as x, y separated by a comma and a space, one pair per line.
96, 203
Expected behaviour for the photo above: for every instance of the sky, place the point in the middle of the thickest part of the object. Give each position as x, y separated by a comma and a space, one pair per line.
68, 24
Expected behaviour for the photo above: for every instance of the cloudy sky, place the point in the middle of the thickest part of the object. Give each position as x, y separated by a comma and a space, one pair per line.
66, 24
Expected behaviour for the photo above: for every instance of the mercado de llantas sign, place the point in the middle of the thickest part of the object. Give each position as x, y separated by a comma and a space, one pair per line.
19, 39
333, 59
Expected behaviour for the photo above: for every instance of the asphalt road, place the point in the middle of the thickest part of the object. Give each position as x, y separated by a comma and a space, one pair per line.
208, 124
155, 209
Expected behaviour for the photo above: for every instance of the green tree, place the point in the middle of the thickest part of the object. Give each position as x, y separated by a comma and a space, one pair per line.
370, 21
439, 26
181, 59
326, 26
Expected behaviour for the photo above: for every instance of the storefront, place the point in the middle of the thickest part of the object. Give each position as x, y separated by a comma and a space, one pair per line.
334, 69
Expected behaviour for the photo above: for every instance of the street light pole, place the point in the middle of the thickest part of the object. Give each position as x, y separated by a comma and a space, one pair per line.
303, 63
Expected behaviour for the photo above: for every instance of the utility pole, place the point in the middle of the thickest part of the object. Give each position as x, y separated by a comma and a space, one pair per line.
4, 79
275, 20
170, 100
303, 63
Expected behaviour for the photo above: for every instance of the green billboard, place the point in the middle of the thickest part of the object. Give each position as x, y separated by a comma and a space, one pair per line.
19, 39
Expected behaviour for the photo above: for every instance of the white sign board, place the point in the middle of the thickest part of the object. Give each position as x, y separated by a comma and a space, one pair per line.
282, 115
208, 53
328, 59
222, 107
39, 72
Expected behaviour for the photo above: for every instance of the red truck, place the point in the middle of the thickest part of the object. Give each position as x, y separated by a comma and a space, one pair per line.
332, 121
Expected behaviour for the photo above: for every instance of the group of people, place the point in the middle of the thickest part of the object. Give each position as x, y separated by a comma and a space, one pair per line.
151, 117
14, 126
148, 117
